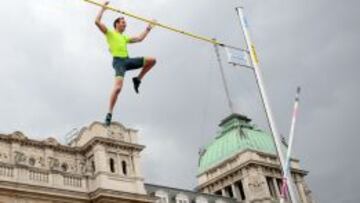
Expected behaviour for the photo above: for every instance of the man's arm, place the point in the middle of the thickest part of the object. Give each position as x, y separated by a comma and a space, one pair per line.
143, 35
98, 22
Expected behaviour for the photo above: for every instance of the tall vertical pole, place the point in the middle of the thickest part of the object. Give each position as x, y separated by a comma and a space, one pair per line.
291, 141
226, 88
292, 128
260, 83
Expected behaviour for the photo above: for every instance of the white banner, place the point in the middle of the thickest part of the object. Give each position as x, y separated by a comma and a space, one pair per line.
238, 57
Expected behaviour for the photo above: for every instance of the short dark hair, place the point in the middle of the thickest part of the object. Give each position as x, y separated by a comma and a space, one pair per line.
117, 20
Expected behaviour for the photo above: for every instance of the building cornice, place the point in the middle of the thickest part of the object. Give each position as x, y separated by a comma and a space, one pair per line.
37, 143
113, 195
244, 165
218, 165
111, 142
44, 192
64, 148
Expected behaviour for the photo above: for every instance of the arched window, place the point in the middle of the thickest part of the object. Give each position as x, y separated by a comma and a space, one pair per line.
124, 167
163, 196
181, 198
112, 165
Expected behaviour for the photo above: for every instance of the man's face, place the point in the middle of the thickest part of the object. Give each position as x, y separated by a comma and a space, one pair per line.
121, 25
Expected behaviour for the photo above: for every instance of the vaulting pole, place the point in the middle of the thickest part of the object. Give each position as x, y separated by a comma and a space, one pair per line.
189, 34
265, 101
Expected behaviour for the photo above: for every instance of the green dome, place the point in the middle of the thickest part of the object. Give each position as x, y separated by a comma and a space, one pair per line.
236, 135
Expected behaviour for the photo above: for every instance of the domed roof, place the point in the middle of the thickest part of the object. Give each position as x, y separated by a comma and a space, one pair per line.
237, 134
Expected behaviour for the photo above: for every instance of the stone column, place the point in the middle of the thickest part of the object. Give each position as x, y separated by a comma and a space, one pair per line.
300, 189
223, 192
136, 164
276, 188
235, 191
266, 188
301, 192
100, 158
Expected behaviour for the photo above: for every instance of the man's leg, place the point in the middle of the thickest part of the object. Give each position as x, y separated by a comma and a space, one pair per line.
113, 98
149, 62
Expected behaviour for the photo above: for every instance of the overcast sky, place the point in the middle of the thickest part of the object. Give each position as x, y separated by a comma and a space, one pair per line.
56, 75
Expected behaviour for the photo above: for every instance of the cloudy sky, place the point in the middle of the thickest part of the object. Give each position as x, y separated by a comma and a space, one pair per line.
56, 75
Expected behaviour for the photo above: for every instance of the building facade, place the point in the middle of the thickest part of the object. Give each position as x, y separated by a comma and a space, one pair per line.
102, 165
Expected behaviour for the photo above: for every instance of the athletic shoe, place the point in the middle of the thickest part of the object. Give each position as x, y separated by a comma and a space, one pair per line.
108, 119
137, 83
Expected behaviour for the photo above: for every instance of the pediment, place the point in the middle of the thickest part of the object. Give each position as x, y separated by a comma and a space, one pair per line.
97, 129
18, 135
51, 141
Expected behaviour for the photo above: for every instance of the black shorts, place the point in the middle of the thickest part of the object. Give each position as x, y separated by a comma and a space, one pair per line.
121, 65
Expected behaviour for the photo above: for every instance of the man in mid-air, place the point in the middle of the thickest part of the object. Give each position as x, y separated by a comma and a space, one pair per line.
118, 42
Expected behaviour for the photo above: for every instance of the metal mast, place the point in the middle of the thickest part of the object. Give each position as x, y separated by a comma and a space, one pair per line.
265, 101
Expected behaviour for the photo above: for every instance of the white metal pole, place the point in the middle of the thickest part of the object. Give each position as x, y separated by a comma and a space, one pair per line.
260, 83
292, 128
291, 141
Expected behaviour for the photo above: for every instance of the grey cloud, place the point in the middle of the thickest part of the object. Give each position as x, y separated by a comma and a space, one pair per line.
56, 75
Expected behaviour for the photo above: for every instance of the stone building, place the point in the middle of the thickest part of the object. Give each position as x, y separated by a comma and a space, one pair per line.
242, 163
102, 165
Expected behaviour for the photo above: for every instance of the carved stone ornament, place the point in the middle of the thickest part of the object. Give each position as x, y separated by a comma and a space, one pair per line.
88, 167
32, 161
18, 135
54, 163
41, 161
255, 184
20, 157
64, 167
82, 167
119, 134
51, 141
3, 156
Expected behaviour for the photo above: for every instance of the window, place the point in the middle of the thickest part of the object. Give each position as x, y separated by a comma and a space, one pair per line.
218, 192
112, 165
163, 197
124, 167
279, 183
181, 198
229, 192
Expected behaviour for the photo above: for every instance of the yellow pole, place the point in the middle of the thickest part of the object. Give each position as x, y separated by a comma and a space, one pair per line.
206, 39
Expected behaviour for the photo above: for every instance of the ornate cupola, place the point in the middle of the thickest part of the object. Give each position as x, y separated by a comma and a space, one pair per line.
241, 162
